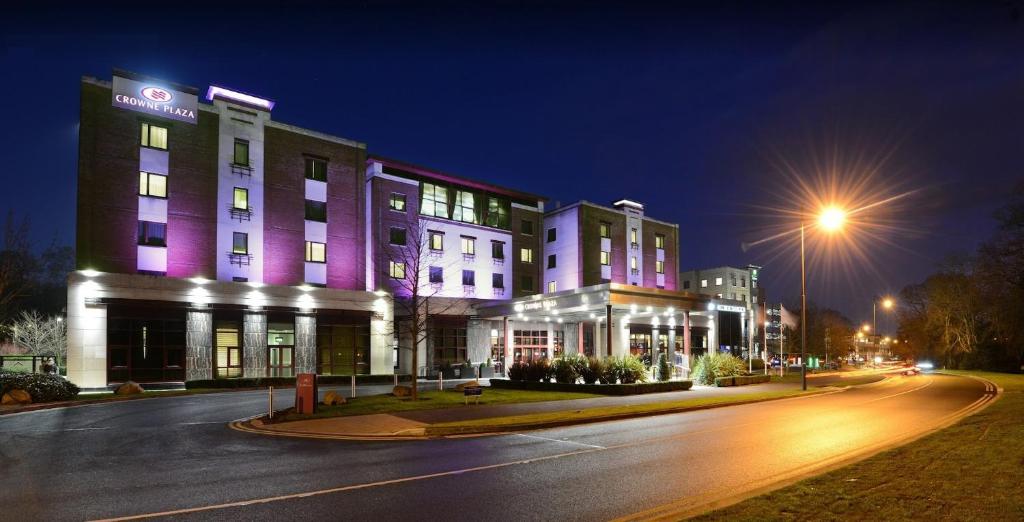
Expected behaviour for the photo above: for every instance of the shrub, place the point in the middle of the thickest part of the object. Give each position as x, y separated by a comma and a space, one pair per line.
568, 368
539, 370
627, 369
518, 371
592, 371
42, 387
664, 369
713, 365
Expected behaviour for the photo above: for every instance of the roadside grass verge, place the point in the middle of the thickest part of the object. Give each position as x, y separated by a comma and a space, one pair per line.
430, 400
970, 471
562, 418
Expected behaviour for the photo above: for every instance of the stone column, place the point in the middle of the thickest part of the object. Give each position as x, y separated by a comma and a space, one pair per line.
570, 336
198, 344
507, 332
254, 344
687, 338
713, 332
305, 344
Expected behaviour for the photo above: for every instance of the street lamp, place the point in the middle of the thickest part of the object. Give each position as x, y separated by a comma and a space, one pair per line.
830, 219
887, 303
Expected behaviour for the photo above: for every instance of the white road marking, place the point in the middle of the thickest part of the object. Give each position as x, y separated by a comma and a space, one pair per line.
559, 440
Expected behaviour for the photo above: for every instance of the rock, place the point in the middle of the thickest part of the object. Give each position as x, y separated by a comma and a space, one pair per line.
470, 384
16, 397
128, 388
401, 391
332, 398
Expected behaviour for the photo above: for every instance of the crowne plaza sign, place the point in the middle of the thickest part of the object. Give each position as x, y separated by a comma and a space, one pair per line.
155, 98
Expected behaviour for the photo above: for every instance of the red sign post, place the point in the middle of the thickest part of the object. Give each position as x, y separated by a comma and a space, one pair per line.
306, 393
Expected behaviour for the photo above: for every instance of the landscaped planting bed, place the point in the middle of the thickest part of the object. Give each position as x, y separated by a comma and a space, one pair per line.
600, 389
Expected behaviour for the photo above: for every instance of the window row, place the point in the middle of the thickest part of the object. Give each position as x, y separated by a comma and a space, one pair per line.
459, 205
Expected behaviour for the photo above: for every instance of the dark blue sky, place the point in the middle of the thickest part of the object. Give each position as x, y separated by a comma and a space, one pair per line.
693, 110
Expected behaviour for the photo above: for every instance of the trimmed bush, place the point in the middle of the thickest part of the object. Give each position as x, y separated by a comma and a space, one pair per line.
741, 380
568, 368
713, 365
518, 371
757, 365
601, 389
627, 369
664, 370
42, 387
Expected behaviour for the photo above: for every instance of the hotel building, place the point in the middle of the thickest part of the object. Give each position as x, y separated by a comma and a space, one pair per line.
215, 242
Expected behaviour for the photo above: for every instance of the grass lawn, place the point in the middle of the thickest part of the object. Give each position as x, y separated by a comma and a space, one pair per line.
429, 400
973, 470
604, 412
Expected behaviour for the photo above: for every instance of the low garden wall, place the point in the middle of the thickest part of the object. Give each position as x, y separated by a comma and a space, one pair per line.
322, 380
600, 389
742, 380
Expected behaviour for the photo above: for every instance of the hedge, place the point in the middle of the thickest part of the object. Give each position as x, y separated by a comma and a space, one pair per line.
263, 382
599, 389
42, 387
742, 380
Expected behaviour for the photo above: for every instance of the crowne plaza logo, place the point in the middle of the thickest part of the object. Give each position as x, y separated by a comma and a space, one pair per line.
157, 94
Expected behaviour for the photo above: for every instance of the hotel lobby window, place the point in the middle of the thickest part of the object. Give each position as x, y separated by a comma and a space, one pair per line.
228, 349
154, 137
529, 345
281, 349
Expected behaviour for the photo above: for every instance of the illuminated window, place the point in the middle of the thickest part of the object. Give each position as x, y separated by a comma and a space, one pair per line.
552, 235
659, 241
316, 169
468, 278
703, 283
606, 258
526, 255
316, 211
718, 281
153, 185
497, 213
397, 202
659, 267
436, 240
606, 229
397, 236
632, 237
465, 209
240, 199
551, 261
632, 262
396, 270
240, 243
316, 252
154, 137
552, 286
526, 227
468, 246
152, 233
242, 153
497, 250
434, 201
436, 275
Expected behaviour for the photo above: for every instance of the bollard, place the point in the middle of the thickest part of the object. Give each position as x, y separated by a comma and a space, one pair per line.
353, 386
271, 400
396, 379
440, 382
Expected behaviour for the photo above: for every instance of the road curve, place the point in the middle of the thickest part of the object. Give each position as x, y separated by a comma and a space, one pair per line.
177, 457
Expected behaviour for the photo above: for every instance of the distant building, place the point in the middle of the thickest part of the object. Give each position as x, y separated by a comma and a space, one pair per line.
742, 327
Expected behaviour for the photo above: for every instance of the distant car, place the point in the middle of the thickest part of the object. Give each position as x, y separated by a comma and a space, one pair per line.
909, 372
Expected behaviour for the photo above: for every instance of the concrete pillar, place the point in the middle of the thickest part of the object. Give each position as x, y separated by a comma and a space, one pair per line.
579, 338
713, 332
305, 343
198, 344
687, 338
382, 339
254, 344
86, 334
507, 332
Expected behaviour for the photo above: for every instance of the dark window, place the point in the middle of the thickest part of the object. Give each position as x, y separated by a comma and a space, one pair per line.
468, 278
316, 211
526, 283
242, 153
552, 235
497, 250
397, 202
527, 227
686, 285
497, 281
397, 236
551, 261
449, 344
436, 274
240, 243
152, 234
316, 169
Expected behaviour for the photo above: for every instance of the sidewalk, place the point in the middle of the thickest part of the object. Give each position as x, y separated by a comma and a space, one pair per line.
415, 424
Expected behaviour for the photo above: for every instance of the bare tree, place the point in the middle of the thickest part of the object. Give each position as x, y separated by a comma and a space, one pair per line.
417, 299
41, 335
16, 265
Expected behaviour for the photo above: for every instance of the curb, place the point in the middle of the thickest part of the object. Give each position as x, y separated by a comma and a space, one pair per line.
686, 507
486, 431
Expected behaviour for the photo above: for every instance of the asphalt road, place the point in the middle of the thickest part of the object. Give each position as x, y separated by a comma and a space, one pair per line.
174, 454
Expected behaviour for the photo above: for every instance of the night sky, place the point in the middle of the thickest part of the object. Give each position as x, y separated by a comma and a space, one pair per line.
712, 117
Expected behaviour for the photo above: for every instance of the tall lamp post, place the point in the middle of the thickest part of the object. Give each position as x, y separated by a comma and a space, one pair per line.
887, 303
831, 219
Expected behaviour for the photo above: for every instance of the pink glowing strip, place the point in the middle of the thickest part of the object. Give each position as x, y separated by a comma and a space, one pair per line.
239, 97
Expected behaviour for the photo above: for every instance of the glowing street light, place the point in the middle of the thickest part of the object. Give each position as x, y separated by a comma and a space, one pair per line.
887, 303
830, 219
866, 328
